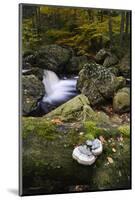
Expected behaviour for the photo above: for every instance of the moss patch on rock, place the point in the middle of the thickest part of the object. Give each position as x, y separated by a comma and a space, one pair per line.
121, 101
98, 83
47, 156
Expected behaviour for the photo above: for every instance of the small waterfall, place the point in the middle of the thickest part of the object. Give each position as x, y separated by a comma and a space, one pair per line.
58, 90
50, 79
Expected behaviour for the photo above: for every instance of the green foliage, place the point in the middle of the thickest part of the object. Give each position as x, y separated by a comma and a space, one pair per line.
54, 34
85, 30
124, 130
30, 37
91, 130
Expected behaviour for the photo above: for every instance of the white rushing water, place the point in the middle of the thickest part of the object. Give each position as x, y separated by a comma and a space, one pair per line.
58, 90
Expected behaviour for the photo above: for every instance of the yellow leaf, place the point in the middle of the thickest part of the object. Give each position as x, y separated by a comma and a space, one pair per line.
110, 160
114, 150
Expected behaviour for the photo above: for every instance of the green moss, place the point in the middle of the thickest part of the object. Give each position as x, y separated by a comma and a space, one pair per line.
91, 130
124, 130
40, 127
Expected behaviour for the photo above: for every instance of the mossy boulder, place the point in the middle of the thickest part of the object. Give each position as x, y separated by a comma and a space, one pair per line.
72, 110
32, 92
125, 66
98, 83
78, 109
121, 101
110, 60
101, 55
105, 57
48, 166
98, 117
52, 57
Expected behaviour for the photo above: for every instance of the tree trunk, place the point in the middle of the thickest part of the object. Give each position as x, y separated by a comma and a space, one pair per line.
110, 29
101, 16
91, 15
122, 27
127, 23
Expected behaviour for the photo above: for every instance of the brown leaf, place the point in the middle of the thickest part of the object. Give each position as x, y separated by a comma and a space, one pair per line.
56, 121
110, 160
102, 139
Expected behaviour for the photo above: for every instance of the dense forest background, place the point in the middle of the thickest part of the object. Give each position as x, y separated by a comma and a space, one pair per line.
85, 30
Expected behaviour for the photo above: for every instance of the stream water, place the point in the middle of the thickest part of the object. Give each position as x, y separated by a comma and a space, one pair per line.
57, 90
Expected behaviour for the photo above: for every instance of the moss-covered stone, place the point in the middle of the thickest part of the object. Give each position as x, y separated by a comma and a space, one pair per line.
47, 157
121, 101
110, 60
71, 110
40, 127
98, 117
98, 83
125, 66
51, 57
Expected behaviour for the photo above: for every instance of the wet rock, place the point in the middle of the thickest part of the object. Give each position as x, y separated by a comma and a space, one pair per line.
98, 83
33, 90
121, 100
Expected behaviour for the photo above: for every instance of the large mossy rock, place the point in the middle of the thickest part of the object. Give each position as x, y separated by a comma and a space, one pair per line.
110, 60
48, 166
52, 57
106, 58
71, 110
121, 100
125, 66
98, 83
33, 91
101, 55
78, 109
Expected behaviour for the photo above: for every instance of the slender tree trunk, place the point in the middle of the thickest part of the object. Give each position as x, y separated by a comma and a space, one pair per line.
91, 15
38, 20
110, 29
101, 16
122, 27
127, 23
